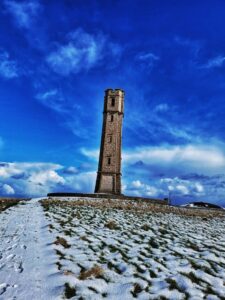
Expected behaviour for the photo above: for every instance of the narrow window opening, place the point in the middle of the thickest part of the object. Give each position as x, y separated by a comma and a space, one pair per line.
113, 102
109, 138
111, 118
109, 160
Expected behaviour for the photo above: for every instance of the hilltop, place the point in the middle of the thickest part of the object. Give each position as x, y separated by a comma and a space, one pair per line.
110, 249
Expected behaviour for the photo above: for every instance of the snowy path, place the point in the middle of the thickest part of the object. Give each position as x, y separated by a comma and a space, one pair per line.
27, 269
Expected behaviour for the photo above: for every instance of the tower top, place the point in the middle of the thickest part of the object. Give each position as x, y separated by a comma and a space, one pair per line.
111, 91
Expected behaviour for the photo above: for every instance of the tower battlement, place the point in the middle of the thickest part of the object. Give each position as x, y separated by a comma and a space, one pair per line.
109, 168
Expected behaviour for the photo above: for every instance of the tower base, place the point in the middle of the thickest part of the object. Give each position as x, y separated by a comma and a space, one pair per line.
108, 183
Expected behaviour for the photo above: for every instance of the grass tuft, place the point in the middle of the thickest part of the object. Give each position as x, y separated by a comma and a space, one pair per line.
137, 289
69, 291
61, 241
95, 272
111, 224
145, 227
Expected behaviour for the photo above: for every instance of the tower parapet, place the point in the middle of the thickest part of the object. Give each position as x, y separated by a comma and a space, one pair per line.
109, 168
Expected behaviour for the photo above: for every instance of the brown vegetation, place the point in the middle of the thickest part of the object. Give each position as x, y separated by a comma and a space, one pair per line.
145, 227
111, 224
136, 206
95, 271
8, 202
61, 241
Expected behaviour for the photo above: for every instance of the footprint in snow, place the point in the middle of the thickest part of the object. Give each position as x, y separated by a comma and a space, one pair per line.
3, 288
11, 247
18, 267
10, 256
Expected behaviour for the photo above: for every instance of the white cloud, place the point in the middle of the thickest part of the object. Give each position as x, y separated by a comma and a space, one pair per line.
90, 153
215, 62
30, 178
70, 170
165, 187
138, 188
23, 12
8, 67
136, 184
82, 182
182, 189
192, 157
7, 190
38, 179
83, 52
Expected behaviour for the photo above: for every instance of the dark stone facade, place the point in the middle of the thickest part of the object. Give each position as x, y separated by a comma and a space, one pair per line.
109, 168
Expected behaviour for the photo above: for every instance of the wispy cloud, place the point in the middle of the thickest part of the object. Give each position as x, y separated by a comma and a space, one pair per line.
147, 56
53, 99
70, 112
215, 62
194, 46
8, 67
83, 52
48, 94
147, 59
155, 122
23, 12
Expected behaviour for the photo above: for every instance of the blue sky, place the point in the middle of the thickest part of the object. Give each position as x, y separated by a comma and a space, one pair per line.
58, 57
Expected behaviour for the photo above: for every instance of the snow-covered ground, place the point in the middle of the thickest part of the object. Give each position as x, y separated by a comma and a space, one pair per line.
85, 252
27, 258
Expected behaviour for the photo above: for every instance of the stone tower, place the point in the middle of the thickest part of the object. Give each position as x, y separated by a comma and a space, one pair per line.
109, 167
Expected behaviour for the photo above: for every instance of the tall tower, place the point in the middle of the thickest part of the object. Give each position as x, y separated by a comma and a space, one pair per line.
109, 167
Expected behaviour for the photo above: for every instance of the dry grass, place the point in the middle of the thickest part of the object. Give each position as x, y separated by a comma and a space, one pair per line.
84, 238
145, 227
69, 292
8, 202
111, 224
137, 206
137, 289
95, 272
61, 241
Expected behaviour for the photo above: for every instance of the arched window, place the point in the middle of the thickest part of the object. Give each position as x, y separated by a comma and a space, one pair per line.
109, 160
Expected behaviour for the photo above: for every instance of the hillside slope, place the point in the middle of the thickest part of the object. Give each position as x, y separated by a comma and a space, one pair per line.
57, 250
